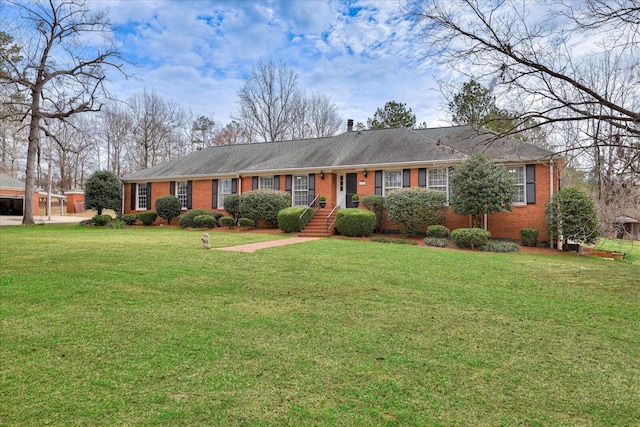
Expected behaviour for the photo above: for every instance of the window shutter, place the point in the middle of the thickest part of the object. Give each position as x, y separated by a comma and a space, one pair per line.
214, 194
254, 183
531, 184
189, 191
406, 178
276, 182
379, 183
172, 188
422, 177
287, 183
148, 196
234, 186
134, 193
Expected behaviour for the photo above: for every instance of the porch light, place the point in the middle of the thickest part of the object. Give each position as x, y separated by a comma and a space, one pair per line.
321, 175
364, 172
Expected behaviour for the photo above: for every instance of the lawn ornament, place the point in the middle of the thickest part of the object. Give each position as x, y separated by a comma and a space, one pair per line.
205, 241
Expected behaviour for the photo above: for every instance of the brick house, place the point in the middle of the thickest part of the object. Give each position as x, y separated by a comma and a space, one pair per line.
355, 162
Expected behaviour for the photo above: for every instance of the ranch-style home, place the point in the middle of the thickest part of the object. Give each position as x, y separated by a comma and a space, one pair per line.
359, 162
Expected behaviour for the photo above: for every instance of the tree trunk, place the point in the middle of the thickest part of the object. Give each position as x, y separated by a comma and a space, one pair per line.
32, 154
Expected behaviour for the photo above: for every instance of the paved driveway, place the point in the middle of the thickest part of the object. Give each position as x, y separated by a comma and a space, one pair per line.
55, 219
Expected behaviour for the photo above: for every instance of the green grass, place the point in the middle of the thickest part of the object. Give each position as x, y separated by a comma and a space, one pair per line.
141, 326
630, 248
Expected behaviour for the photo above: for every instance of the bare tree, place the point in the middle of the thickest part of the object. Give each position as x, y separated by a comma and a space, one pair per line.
157, 125
58, 73
532, 60
114, 131
231, 134
265, 104
323, 117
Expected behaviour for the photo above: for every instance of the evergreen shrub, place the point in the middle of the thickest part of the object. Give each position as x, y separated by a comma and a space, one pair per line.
529, 237
207, 221
289, 219
148, 217
470, 237
227, 221
102, 220
264, 205
187, 219
353, 222
439, 231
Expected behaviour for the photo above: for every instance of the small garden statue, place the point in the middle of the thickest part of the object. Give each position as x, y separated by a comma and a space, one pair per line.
205, 241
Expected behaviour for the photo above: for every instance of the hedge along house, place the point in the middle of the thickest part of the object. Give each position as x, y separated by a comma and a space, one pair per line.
355, 162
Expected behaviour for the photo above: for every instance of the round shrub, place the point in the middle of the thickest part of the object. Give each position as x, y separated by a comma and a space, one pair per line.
168, 207
529, 237
438, 231
289, 219
498, 246
353, 222
129, 219
438, 242
470, 237
187, 219
206, 221
117, 224
413, 209
102, 220
246, 222
375, 203
264, 205
148, 217
227, 221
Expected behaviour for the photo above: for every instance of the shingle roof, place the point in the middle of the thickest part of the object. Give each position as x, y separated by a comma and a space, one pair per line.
8, 182
367, 148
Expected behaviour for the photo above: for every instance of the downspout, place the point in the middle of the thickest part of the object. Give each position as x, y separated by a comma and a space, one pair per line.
551, 178
123, 196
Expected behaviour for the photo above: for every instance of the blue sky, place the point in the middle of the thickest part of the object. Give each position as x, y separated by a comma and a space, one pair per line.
197, 53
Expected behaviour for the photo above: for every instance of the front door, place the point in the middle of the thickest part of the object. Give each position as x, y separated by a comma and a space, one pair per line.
351, 187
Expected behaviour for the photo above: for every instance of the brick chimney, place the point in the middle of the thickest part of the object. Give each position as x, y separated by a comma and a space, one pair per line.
350, 125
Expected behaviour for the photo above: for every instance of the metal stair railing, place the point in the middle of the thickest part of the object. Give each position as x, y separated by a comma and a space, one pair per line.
335, 208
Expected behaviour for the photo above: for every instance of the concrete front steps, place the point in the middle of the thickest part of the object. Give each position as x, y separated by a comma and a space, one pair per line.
317, 227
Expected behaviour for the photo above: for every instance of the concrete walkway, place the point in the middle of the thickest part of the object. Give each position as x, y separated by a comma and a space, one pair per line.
252, 247
42, 219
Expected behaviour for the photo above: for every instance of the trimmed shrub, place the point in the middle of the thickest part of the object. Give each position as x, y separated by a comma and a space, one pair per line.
187, 219
232, 206
207, 221
353, 222
529, 237
148, 217
227, 221
413, 209
439, 231
117, 224
470, 237
375, 203
102, 220
264, 205
438, 242
498, 246
246, 222
168, 207
289, 219
393, 241
129, 219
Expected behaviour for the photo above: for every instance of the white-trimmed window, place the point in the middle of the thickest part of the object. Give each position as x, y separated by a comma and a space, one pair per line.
392, 181
301, 190
265, 183
518, 174
182, 193
142, 198
225, 189
438, 180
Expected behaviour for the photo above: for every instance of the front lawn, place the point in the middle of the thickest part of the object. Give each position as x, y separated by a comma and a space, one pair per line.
141, 326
